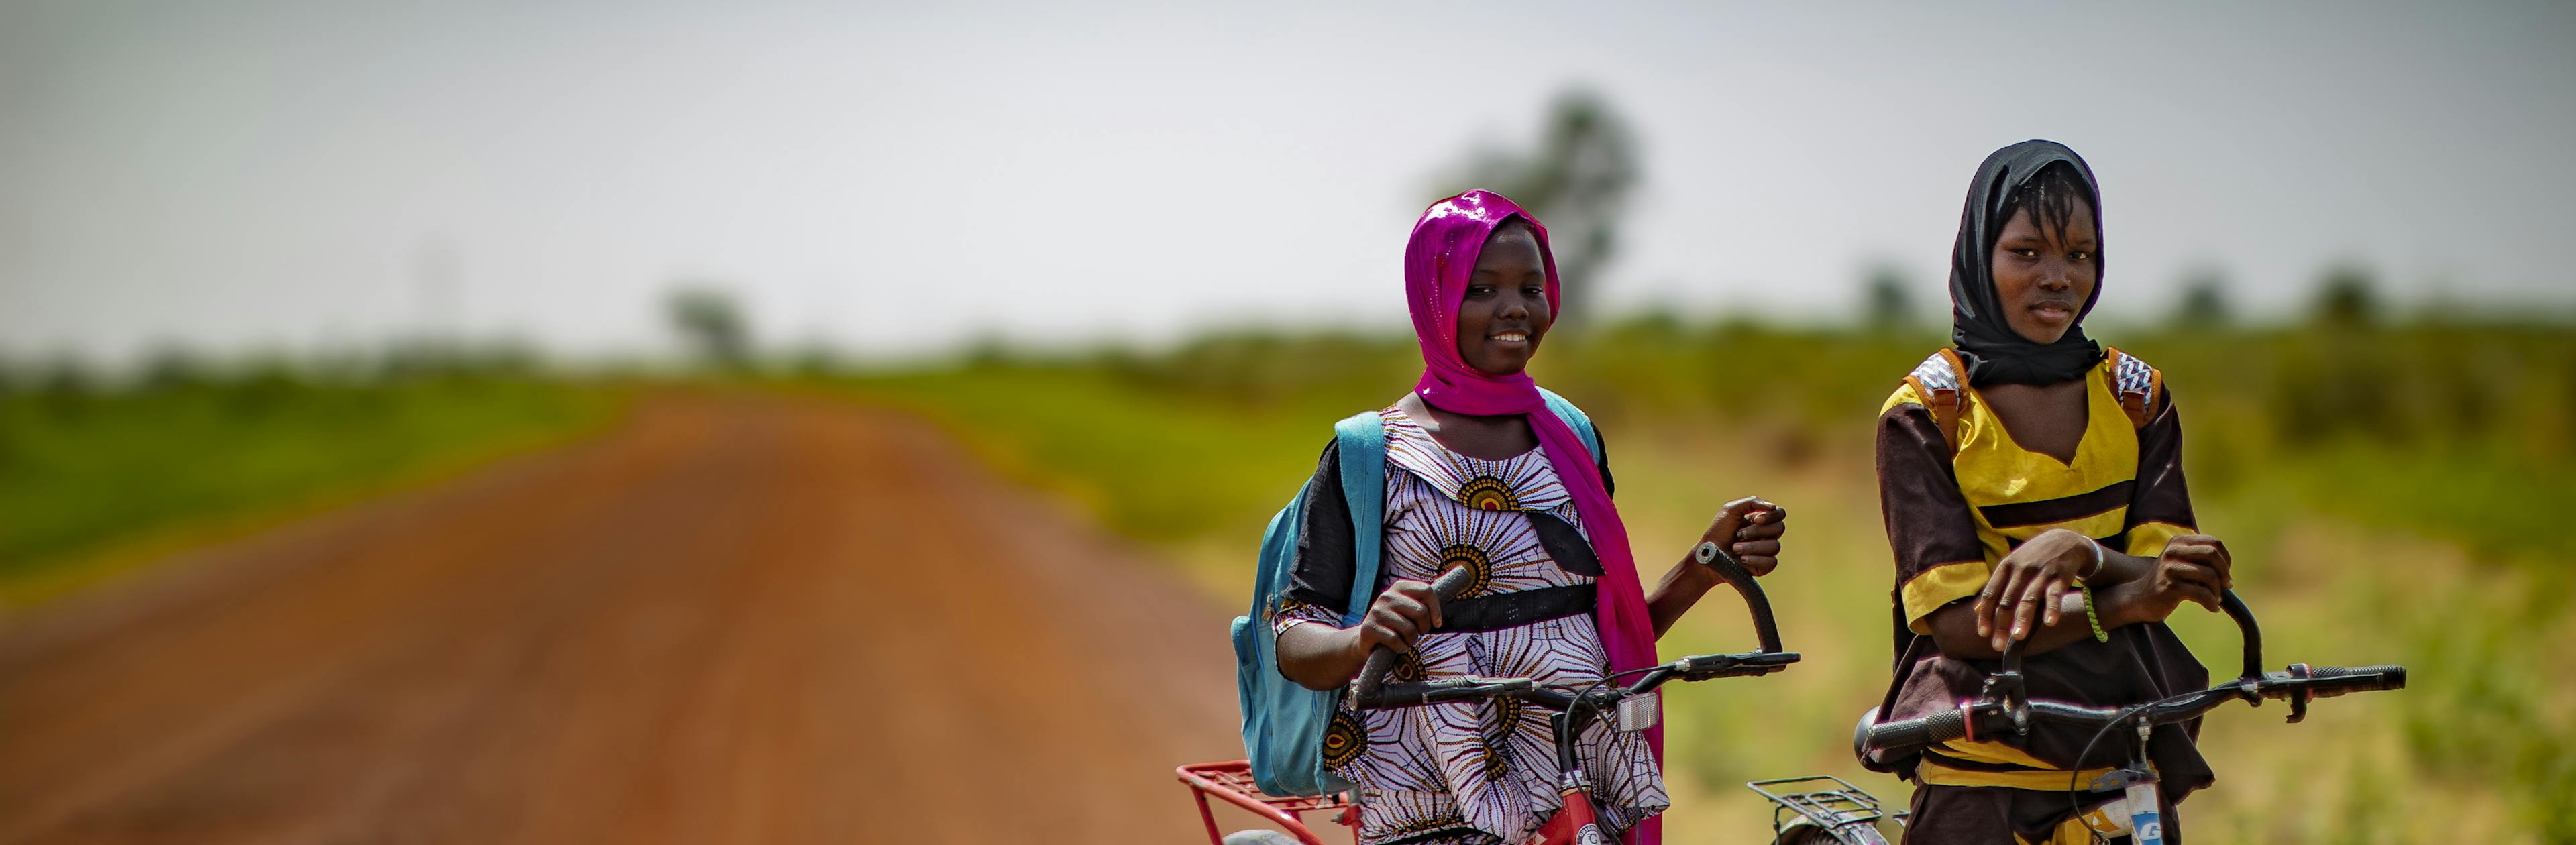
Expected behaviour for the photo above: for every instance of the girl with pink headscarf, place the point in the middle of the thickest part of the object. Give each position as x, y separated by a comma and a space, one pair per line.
1481, 474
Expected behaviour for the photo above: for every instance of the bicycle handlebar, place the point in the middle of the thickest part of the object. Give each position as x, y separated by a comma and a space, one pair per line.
1728, 569
1924, 730
1694, 668
2004, 708
2250, 633
1996, 717
1374, 692
2345, 679
1453, 689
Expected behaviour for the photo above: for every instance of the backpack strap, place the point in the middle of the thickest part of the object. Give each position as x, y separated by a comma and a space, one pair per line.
1942, 382
2135, 383
1574, 418
1362, 439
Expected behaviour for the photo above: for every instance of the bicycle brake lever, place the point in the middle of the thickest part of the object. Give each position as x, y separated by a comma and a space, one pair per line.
2299, 700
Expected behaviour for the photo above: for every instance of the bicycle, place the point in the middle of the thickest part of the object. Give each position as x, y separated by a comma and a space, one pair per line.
2004, 705
1629, 709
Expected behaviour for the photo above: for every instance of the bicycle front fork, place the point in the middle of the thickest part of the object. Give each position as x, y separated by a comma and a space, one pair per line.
1574, 823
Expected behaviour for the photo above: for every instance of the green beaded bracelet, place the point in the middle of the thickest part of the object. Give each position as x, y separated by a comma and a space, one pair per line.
2099, 635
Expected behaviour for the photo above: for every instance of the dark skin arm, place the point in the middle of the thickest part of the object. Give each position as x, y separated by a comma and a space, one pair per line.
2025, 598
1755, 526
1322, 657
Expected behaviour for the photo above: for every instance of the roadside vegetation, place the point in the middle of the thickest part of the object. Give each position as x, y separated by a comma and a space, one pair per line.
98, 477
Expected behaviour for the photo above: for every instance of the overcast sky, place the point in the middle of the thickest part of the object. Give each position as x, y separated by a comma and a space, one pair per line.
294, 176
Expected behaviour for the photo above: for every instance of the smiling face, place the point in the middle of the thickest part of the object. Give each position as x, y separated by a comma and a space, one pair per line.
1505, 312
2044, 274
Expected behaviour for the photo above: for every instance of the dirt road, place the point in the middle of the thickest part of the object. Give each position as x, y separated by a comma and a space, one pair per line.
733, 619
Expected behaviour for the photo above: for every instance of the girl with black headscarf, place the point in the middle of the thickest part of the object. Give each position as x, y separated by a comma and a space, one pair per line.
2031, 481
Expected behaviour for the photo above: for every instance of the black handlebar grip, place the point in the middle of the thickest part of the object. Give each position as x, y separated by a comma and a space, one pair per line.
1408, 695
1381, 660
1732, 571
1909, 733
2251, 633
2362, 678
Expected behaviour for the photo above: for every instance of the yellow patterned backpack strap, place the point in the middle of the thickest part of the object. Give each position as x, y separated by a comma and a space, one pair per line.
2135, 383
1942, 382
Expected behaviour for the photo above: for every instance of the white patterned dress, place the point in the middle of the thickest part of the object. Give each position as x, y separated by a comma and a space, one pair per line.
1477, 772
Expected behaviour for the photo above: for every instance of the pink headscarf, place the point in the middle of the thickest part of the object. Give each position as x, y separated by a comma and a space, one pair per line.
1437, 265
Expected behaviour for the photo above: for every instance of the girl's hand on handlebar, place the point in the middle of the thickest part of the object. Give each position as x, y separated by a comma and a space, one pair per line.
1756, 527
2028, 583
1399, 616
2194, 567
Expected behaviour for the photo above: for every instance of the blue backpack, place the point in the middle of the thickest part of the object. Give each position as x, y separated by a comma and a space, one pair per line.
1283, 723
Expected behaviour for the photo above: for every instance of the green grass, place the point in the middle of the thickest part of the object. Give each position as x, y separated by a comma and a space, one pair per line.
91, 483
2392, 495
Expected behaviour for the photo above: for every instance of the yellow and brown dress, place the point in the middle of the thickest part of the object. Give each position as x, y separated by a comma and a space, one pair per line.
1953, 512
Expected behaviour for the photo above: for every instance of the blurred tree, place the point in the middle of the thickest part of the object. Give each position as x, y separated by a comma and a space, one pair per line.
419, 357
1886, 299
503, 358
1660, 323
2348, 296
1577, 182
65, 378
818, 359
173, 368
2204, 303
2339, 379
713, 328
989, 348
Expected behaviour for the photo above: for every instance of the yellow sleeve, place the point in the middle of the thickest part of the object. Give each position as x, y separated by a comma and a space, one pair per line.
1941, 585
2149, 538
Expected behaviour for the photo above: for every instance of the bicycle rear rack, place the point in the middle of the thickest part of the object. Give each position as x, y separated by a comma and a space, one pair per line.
1231, 781
1834, 808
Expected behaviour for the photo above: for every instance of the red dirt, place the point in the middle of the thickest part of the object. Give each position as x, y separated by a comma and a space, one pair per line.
734, 619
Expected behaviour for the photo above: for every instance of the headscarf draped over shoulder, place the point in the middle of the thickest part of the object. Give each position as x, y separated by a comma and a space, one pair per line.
1438, 263
1994, 353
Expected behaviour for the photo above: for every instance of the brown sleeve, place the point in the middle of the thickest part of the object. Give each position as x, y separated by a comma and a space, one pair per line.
1929, 525
2160, 506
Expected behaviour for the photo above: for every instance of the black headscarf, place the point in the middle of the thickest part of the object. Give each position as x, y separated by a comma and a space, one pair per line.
1995, 354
